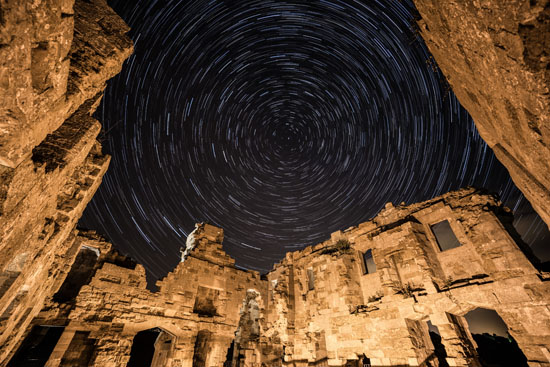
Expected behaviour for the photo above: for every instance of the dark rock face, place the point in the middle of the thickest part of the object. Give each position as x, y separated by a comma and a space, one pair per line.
495, 55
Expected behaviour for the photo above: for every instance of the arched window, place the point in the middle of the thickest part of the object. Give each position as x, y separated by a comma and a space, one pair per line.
369, 267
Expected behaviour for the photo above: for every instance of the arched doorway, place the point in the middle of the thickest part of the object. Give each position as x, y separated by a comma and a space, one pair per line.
151, 348
37, 346
495, 346
439, 349
202, 348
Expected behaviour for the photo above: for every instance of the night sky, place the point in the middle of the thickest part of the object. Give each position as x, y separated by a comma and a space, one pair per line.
281, 122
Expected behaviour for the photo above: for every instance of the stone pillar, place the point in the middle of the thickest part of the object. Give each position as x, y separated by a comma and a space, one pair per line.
112, 350
457, 340
182, 355
60, 348
219, 346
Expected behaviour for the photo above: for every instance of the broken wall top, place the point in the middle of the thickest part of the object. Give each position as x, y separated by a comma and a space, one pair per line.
495, 56
54, 56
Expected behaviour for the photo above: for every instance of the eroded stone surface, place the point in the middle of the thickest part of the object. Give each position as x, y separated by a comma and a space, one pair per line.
495, 55
55, 57
320, 306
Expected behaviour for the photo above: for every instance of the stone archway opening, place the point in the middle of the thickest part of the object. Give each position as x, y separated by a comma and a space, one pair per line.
151, 348
439, 349
37, 346
364, 361
495, 346
202, 348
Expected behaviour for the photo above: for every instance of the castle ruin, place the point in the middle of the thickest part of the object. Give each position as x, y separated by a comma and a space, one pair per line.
367, 296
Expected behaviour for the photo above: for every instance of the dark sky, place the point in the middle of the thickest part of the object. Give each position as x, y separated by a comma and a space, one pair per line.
280, 121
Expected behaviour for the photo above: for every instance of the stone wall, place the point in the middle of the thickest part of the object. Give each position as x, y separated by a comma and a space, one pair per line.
495, 55
198, 303
55, 57
347, 313
364, 296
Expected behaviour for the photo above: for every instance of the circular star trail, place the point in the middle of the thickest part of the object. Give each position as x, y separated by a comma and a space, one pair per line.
279, 121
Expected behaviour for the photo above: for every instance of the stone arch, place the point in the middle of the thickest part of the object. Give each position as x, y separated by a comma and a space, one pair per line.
460, 337
493, 341
202, 348
152, 347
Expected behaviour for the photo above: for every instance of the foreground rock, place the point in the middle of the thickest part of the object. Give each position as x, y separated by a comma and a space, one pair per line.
54, 61
496, 57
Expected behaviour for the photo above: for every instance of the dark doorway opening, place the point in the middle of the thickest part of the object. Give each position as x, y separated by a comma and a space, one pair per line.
151, 348
495, 346
80, 274
143, 348
439, 348
364, 361
37, 347
229, 357
200, 352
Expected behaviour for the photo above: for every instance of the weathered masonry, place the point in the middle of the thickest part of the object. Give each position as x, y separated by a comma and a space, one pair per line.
55, 57
368, 295
496, 56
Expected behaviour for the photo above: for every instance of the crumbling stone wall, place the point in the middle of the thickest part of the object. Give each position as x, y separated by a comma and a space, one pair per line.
323, 306
55, 57
349, 314
115, 305
495, 56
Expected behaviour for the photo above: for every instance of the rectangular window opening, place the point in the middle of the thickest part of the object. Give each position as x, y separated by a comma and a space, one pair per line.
445, 236
310, 279
368, 262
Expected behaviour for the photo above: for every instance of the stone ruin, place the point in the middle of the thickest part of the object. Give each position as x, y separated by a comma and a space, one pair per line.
365, 296
369, 296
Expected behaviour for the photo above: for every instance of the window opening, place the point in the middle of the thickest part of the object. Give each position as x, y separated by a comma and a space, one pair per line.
445, 236
368, 262
495, 345
37, 347
310, 279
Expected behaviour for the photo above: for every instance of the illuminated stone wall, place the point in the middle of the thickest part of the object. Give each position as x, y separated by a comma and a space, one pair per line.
197, 303
55, 58
327, 305
335, 303
495, 56
346, 313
